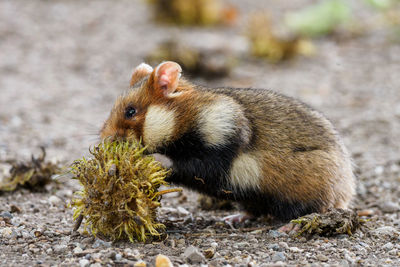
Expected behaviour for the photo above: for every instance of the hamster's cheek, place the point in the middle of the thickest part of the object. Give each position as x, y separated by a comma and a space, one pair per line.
158, 127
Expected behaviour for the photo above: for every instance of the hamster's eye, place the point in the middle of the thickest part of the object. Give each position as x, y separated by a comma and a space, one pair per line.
130, 112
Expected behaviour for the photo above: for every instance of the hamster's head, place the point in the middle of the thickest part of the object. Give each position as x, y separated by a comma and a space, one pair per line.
148, 111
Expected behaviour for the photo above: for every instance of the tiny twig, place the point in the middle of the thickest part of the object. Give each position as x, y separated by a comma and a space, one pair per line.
78, 223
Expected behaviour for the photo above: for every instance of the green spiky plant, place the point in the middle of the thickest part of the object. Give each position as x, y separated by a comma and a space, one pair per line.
120, 193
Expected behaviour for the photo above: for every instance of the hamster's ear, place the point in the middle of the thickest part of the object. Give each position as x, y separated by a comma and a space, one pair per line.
140, 72
166, 77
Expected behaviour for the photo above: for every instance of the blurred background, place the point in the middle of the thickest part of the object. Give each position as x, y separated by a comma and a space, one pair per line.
63, 63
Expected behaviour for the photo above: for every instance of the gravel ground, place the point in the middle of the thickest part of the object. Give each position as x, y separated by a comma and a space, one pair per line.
62, 64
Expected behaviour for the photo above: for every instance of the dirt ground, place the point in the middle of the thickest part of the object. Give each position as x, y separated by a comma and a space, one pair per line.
63, 63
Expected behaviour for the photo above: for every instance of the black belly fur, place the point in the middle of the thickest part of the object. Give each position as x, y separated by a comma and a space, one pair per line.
206, 169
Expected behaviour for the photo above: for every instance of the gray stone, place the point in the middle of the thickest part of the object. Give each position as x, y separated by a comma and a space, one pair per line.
84, 263
60, 248
111, 255
322, 257
192, 255
279, 256
100, 243
388, 246
276, 233
6, 214
389, 207
78, 250
283, 245
54, 200
274, 247
118, 257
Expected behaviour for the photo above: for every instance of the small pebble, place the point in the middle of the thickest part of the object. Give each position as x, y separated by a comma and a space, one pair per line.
101, 243
389, 207
77, 250
192, 255
279, 256
54, 200
59, 249
6, 214
388, 246
140, 264
322, 258
118, 257
163, 261
274, 247
214, 244
183, 211
84, 263
283, 245
275, 233
295, 250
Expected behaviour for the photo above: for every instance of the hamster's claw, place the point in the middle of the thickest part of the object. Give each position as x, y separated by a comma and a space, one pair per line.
236, 218
290, 228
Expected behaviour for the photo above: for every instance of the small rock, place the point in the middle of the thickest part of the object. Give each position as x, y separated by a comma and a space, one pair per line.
87, 240
77, 250
84, 263
101, 243
97, 264
274, 247
6, 232
393, 252
140, 264
275, 233
388, 246
192, 255
59, 249
54, 200
322, 258
6, 214
25, 234
279, 256
111, 255
183, 211
242, 244
283, 245
163, 261
389, 207
214, 244
295, 250
118, 257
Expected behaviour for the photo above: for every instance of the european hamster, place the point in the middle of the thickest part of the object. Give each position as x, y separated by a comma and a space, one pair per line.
271, 153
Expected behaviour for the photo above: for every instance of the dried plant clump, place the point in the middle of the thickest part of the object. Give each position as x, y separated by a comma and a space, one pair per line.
208, 63
266, 42
334, 222
33, 174
194, 12
120, 191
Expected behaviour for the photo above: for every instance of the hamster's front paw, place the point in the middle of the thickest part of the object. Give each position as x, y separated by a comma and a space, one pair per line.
165, 161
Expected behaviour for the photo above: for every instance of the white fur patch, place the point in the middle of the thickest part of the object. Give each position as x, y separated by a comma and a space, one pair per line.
246, 172
158, 126
217, 121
